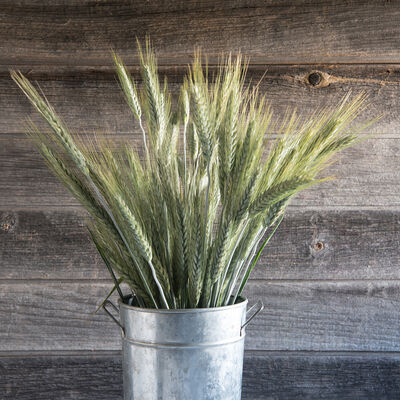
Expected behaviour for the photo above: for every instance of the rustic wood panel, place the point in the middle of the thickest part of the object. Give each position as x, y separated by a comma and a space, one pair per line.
44, 315
85, 377
333, 245
266, 375
329, 316
368, 176
90, 99
306, 376
313, 316
47, 245
308, 245
82, 33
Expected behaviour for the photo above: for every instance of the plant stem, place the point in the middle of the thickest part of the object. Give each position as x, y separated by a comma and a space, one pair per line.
144, 138
153, 271
110, 214
222, 281
110, 270
247, 273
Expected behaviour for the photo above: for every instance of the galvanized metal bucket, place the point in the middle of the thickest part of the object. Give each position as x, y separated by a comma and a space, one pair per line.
188, 354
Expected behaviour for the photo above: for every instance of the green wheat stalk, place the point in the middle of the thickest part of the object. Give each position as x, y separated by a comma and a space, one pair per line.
184, 225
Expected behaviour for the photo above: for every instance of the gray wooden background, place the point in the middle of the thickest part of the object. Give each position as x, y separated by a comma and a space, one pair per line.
330, 279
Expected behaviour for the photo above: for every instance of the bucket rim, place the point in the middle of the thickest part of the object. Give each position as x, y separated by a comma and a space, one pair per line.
242, 303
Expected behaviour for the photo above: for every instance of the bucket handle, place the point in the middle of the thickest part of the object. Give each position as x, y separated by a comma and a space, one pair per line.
259, 306
110, 303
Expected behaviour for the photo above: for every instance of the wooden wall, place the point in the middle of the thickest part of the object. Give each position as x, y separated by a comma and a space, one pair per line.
330, 279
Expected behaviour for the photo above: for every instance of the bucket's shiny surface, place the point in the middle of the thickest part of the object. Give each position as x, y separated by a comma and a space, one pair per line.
193, 354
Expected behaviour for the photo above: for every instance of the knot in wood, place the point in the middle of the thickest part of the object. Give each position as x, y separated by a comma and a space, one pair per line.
318, 246
7, 223
315, 78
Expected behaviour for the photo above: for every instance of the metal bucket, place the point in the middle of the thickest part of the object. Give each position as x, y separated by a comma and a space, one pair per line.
187, 354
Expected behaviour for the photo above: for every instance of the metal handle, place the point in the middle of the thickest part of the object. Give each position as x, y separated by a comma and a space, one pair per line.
260, 307
108, 302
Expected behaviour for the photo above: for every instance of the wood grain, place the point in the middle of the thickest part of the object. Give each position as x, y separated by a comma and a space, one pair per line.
368, 175
83, 32
324, 315
89, 99
85, 377
333, 245
310, 376
312, 316
47, 245
266, 375
327, 244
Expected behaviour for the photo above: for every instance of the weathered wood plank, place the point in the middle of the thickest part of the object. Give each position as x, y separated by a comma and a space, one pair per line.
294, 376
368, 176
313, 316
86, 377
266, 375
333, 245
47, 245
57, 316
329, 316
90, 99
82, 33
308, 245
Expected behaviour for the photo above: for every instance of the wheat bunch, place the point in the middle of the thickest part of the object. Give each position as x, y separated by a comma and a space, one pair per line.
184, 222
